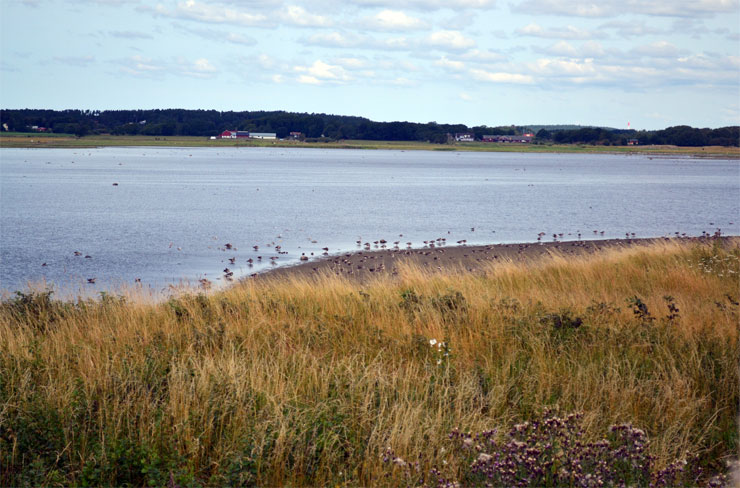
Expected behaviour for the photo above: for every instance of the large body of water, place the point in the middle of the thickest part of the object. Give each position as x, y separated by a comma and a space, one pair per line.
173, 210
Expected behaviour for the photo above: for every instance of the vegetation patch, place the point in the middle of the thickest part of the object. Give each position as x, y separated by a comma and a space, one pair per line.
585, 371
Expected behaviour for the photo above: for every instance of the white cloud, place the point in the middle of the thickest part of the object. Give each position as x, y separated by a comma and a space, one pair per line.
449, 40
218, 36
309, 80
320, 72
429, 4
613, 8
561, 67
561, 48
394, 43
567, 32
157, 68
631, 29
393, 20
351, 63
335, 39
466, 97
298, 16
200, 68
392, 64
215, 14
344, 41
588, 49
501, 77
659, 49
449, 64
478, 56
141, 66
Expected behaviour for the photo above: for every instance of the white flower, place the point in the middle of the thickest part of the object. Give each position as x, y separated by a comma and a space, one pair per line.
399, 462
483, 457
432, 342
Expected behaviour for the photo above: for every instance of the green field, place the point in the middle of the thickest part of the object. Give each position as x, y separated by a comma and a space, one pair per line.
24, 140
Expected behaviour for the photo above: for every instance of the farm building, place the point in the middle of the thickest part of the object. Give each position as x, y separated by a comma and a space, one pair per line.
465, 137
263, 135
234, 134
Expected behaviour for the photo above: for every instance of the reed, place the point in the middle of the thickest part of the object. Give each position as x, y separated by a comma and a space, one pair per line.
310, 381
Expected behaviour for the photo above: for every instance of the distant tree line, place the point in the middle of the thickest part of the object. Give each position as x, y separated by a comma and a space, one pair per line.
681, 135
205, 123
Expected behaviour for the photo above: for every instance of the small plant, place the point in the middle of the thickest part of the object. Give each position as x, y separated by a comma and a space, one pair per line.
672, 309
562, 320
547, 452
441, 351
640, 309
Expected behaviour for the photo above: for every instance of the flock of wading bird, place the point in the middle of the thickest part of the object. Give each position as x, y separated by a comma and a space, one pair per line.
380, 255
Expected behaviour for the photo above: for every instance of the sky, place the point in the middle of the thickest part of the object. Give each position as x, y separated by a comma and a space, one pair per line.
648, 63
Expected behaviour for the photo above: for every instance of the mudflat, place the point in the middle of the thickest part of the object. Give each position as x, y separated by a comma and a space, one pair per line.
367, 264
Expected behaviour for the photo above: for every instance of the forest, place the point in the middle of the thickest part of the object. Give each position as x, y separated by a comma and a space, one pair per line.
206, 123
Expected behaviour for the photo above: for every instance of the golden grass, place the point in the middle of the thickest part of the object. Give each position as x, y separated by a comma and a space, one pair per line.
306, 382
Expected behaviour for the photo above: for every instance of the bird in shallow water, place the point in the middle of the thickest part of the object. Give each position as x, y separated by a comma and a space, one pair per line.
91, 280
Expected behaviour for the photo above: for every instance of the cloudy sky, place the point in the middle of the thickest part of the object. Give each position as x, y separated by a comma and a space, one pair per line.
653, 63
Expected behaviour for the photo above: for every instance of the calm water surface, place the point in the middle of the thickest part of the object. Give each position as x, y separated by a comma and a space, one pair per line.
174, 210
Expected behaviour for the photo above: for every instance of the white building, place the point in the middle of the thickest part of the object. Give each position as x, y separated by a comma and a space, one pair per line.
262, 135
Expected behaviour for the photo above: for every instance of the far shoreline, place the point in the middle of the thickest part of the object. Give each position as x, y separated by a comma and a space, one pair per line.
62, 141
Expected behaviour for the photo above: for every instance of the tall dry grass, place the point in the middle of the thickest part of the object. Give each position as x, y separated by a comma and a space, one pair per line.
307, 382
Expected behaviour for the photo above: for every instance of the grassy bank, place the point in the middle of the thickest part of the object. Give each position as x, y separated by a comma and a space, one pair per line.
24, 140
298, 382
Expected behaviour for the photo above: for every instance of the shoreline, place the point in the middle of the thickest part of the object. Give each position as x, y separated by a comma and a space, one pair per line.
365, 265
174, 142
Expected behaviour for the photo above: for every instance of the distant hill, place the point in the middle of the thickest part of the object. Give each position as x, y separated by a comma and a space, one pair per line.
206, 123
